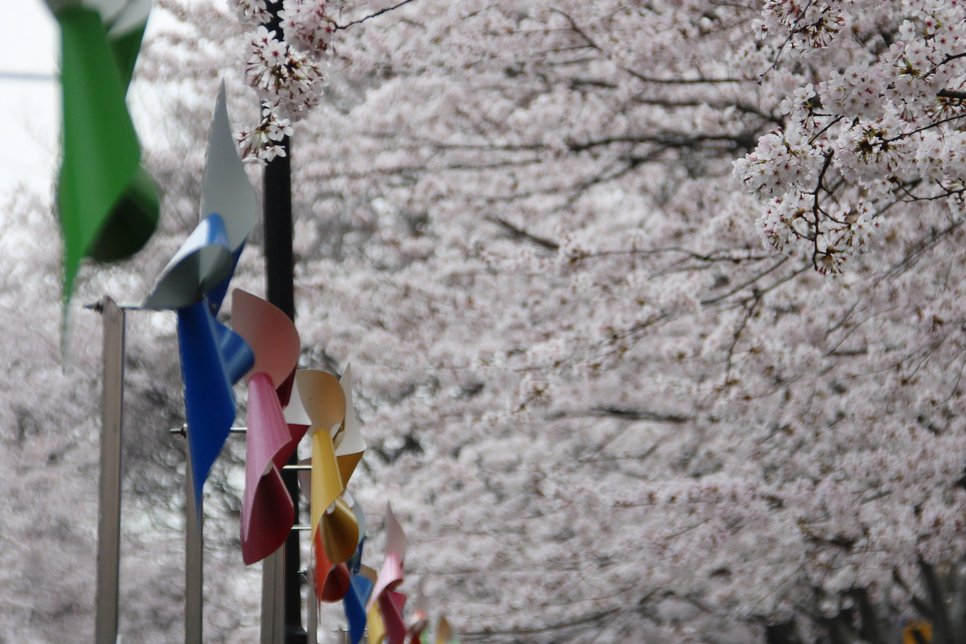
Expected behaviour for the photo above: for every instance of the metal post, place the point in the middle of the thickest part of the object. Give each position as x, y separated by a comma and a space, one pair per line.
273, 598
194, 549
109, 516
312, 621
279, 268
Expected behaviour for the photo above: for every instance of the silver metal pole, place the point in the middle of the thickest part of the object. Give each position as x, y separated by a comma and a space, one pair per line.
312, 628
109, 519
273, 598
193, 561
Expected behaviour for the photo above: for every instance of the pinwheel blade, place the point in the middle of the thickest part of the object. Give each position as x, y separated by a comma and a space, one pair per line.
354, 605
267, 508
226, 189
295, 413
267, 518
340, 532
391, 574
377, 629
326, 482
363, 525
391, 605
322, 398
209, 401
217, 293
107, 205
444, 633
202, 261
125, 35
396, 543
332, 581
237, 355
352, 446
284, 390
269, 332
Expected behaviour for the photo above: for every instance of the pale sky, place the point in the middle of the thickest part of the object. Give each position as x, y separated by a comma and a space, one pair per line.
30, 105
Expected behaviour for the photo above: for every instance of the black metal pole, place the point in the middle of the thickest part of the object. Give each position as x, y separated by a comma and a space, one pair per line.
279, 269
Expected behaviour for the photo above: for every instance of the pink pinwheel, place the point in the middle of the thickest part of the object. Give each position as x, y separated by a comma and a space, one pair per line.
267, 508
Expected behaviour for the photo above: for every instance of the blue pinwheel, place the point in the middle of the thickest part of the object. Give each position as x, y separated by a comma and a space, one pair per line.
194, 283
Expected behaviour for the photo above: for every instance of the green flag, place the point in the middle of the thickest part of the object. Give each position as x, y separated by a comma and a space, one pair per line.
107, 204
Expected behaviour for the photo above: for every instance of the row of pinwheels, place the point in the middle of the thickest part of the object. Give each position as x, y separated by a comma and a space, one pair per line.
284, 405
108, 208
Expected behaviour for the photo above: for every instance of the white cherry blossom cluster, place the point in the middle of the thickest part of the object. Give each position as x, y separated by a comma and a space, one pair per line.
255, 11
288, 80
264, 141
307, 24
858, 144
286, 73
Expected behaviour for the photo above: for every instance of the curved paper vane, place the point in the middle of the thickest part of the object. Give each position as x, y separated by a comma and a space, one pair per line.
270, 333
203, 261
377, 629
322, 398
354, 604
332, 580
340, 531
267, 507
324, 405
444, 633
294, 412
417, 621
226, 190
209, 401
351, 445
391, 574
107, 204
391, 606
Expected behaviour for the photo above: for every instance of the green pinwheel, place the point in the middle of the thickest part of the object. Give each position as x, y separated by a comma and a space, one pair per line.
107, 204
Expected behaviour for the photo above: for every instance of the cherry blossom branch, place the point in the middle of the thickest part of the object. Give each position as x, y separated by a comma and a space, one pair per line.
374, 15
520, 233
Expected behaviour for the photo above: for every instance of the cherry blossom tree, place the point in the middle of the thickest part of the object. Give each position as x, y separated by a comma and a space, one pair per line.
655, 308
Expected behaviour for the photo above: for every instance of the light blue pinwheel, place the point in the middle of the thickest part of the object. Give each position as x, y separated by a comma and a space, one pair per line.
194, 283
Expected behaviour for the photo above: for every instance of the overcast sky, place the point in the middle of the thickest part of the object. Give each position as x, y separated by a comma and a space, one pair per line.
31, 98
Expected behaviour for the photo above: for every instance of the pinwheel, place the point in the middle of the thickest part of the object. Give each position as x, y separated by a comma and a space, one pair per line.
444, 633
417, 622
361, 582
107, 204
384, 596
267, 508
194, 282
337, 446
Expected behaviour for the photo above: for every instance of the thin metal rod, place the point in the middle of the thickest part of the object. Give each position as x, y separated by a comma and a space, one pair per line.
183, 430
109, 519
193, 561
98, 306
312, 619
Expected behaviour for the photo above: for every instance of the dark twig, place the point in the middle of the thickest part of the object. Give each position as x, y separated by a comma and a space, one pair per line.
374, 15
